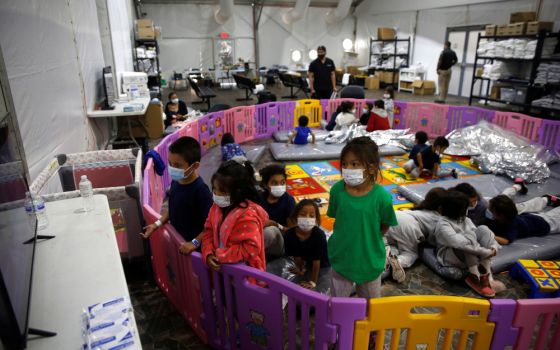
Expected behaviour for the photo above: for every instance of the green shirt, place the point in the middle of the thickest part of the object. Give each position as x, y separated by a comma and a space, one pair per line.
356, 247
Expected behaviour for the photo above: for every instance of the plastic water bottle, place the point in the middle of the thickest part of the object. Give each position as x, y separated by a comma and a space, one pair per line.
134, 93
28, 204
40, 212
86, 192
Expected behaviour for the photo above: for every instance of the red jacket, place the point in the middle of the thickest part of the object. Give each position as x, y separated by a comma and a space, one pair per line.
241, 234
378, 120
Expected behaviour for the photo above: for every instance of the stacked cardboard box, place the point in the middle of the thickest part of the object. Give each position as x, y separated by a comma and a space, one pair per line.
424, 87
519, 23
145, 29
535, 27
386, 33
372, 83
522, 17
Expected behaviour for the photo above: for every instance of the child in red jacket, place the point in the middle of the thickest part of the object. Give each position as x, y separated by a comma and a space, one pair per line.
379, 119
233, 232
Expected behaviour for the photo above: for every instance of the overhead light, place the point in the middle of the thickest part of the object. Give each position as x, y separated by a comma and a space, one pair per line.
312, 54
347, 44
296, 55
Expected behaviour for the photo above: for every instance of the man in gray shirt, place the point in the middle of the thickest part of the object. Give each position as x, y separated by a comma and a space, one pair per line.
447, 59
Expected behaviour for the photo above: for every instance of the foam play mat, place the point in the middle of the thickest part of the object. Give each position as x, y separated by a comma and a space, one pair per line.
313, 180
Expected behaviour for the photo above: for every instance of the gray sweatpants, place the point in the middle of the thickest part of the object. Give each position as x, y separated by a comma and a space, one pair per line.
552, 217
404, 238
534, 205
343, 287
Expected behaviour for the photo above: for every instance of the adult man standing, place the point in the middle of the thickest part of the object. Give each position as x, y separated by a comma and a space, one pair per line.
447, 59
321, 75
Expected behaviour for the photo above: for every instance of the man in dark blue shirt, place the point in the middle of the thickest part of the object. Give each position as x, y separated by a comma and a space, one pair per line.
447, 59
189, 197
322, 78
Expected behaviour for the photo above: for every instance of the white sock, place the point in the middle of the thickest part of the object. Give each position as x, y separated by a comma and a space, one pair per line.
486, 265
474, 270
545, 201
517, 187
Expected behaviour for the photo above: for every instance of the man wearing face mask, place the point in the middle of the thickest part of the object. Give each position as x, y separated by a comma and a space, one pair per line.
189, 197
322, 78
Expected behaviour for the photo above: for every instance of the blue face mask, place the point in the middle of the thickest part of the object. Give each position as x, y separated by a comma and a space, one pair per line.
176, 174
489, 215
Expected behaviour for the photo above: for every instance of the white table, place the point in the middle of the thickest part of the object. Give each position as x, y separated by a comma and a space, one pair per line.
81, 266
118, 112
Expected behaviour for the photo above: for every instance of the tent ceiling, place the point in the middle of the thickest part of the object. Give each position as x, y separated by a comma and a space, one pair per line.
286, 3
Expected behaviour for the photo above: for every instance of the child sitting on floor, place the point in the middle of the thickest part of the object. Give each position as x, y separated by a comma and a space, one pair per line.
379, 118
233, 232
429, 159
461, 244
230, 149
420, 139
504, 219
306, 245
366, 114
301, 132
346, 117
279, 205
388, 97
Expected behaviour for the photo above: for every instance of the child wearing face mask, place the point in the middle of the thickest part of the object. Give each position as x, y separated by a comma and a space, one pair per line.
306, 247
230, 149
379, 119
189, 197
459, 243
279, 205
233, 232
346, 117
366, 114
388, 97
363, 210
429, 159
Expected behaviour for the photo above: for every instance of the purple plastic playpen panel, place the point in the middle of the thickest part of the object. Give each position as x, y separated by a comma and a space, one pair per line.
211, 129
399, 113
528, 313
267, 119
549, 134
286, 115
462, 116
259, 311
188, 287
521, 124
189, 129
243, 119
502, 312
428, 117
344, 313
163, 148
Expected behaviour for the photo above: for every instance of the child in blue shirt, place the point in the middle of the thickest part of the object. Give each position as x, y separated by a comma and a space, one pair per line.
230, 149
301, 132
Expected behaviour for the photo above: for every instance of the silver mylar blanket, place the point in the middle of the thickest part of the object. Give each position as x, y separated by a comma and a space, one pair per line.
499, 151
396, 138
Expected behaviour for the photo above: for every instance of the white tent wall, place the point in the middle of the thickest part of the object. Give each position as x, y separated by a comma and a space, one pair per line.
188, 31
53, 57
433, 23
121, 23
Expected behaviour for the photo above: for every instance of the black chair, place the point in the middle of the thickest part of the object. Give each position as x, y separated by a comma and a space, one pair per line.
177, 77
352, 91
244, 83
203, 92
294, 81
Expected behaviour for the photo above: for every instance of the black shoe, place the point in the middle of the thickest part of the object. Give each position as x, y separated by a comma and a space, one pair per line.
519, 181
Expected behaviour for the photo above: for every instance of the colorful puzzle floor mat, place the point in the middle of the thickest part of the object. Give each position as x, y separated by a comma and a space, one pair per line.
313, 180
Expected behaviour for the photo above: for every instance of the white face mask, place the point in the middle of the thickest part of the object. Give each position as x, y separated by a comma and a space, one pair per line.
278, 191
386, 96
306, 224
353, 111
175, 100
221, 201
353, 177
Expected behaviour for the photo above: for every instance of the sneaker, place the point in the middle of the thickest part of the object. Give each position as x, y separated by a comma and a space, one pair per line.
519, 181
475, 283
397, 270
552, 201
454, 173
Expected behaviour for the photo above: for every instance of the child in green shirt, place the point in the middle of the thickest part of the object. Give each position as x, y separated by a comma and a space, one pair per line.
363, 211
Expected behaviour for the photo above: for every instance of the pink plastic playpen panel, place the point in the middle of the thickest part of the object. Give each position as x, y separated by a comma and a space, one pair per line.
527, 314
240, 122
521, 124
190, 129
427, 117
334, 104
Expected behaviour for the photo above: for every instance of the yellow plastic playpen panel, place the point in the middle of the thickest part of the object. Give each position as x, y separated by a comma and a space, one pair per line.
310, 108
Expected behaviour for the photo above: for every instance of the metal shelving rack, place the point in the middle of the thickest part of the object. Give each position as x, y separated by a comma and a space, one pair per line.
394, 55
532, 87
153, 68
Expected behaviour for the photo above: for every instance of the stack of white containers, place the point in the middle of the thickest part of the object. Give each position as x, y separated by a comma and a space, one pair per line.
135, 85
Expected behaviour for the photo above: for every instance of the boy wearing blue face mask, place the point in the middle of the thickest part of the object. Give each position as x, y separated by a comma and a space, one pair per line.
364, 212
189, 197
429, 160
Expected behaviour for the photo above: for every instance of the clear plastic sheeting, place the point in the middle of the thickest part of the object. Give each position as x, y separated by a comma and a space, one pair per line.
499, 151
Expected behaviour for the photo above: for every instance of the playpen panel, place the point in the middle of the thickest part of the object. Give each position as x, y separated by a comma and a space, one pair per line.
211, 129
344, 313
334, 104
465, 315
163, 149
399, 115
158, 263
463, 116
549, 134
502, 312
309, 108
286, 115
325, 110
521, 124
429, 117
189, 129
244, 123
527, 314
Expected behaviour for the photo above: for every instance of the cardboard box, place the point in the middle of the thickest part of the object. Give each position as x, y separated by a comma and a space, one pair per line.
144, 23
516, 28
386, 33
522, 17
387, 77
146, 33
157, 32
372, 83
536, 27
502, 30
353, 70
490, 30
495, 92
405, 85
424, 87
